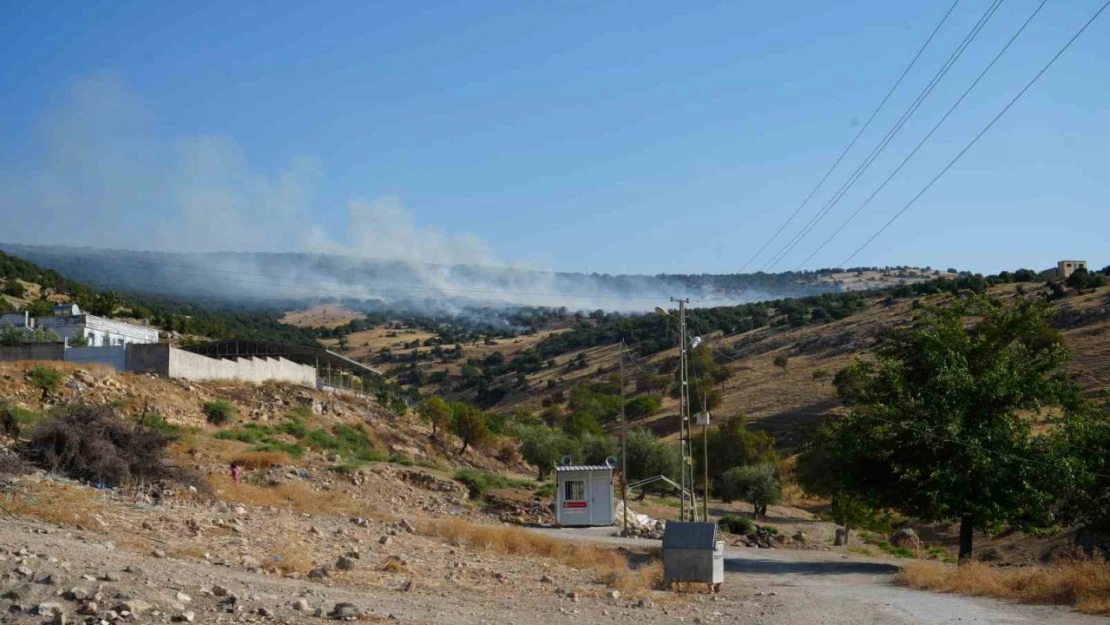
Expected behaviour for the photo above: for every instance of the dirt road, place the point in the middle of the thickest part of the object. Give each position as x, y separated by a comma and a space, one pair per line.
832, 589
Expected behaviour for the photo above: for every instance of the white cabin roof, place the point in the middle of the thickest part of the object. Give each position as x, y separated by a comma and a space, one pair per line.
569, 468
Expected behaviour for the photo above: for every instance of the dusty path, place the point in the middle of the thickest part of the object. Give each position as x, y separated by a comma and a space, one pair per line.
829, 588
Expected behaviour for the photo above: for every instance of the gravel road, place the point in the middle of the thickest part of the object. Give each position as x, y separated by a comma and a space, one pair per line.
818, 587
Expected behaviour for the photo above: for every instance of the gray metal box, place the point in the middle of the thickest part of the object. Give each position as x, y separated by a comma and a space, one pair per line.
692, 553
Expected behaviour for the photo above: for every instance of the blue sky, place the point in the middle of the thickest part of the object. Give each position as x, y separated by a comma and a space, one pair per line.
636, 137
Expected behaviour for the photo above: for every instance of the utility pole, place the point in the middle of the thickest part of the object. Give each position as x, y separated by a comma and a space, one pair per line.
705, 461
624, 450
686, 479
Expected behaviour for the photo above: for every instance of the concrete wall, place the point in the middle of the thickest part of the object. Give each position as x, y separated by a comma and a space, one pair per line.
151, 358
167, 361
34, 351
115, 357
163, 360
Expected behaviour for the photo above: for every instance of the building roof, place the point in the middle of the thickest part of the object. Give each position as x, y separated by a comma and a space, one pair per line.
235, 348
582, 467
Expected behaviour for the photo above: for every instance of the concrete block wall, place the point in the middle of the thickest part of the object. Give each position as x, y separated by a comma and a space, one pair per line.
33, 351
115, 357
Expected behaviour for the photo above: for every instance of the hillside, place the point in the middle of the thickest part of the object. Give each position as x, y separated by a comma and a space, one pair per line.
817, 336
289, 280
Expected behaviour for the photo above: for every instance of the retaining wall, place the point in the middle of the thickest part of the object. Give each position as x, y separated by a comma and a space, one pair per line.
34, 351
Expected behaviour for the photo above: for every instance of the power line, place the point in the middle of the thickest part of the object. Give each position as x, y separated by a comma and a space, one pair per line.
978, 136
928, 136
854, 139
886, 140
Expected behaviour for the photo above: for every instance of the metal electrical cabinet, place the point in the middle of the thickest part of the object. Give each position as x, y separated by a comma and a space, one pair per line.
692, 553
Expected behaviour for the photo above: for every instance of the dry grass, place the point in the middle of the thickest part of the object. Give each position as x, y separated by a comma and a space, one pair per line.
63, 504
1083, 583
611, 567
261, 460
292, 496
289, 559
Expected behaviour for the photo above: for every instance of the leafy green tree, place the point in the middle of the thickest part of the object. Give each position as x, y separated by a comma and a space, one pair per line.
648, 456
42, 335
469, 424
759, 485
582, 423
642, 406
731, 445
40, 308
45, 378
851, 511
11, 336
80, 340
14, 288
543, 446
597, 449
1081, 448
437, 412
936, 429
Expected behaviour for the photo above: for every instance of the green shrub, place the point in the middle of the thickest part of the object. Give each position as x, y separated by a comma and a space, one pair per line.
402, 460
45, 378
249, 433
478, 482
158, 423
737, 525
219, 411
294, 450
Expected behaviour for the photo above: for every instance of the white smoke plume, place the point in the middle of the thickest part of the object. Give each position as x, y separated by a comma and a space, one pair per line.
99, 175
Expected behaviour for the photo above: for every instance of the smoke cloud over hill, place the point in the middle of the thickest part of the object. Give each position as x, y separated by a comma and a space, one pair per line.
99, 178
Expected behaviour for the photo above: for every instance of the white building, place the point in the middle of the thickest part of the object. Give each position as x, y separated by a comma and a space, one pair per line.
71, 324
584, 495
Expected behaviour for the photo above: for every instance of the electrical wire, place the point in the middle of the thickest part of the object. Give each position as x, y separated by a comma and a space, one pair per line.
852, 143
882, 145
978, 136
929, 135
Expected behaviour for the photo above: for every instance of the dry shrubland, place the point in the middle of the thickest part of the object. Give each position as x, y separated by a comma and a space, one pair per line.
261, 460
53, 502
293, 496
612, 567
1083, 583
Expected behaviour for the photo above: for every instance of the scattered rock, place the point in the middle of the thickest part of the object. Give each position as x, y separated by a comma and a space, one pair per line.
408, 526
841, 537
59, 618
547, 579
613, 594
111, 576
158, 553
299, 605
219, 591
345, 564
318, 572
182, 597
644, 603
135, 606
77, 594
265, 612
799, 536
385, 540
346, 611
408, 586
186, 617
906, 538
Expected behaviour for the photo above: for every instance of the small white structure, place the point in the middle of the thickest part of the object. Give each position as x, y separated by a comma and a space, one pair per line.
71, 323
584, 495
